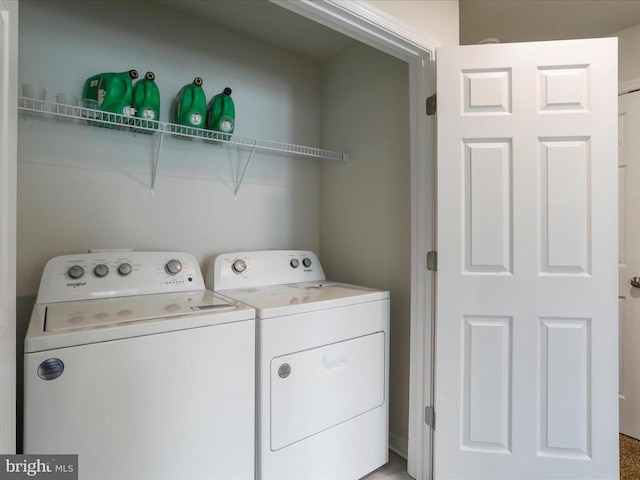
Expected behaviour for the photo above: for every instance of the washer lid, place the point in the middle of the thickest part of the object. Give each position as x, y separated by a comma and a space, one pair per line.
107, 311
82, 322
278, 300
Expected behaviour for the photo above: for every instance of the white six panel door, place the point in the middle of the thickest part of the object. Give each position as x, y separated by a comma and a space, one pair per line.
526, 332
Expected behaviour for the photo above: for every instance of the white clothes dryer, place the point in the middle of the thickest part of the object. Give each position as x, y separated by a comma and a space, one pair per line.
131, 364
322, 363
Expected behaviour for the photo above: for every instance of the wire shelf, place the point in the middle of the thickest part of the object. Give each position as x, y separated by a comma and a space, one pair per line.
56, 112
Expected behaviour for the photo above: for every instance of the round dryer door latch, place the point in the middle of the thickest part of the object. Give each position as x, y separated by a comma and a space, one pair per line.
284, 370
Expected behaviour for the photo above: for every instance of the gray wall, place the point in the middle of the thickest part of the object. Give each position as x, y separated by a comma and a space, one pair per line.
365, 226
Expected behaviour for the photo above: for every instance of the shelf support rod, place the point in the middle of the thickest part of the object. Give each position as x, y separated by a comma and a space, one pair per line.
154, 171
244, 170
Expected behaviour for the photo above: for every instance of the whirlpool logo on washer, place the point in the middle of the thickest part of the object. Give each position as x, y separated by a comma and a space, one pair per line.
58, 467
50, 369
76, 284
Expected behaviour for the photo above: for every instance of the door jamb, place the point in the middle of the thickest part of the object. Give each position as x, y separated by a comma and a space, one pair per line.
8, 176
386, 33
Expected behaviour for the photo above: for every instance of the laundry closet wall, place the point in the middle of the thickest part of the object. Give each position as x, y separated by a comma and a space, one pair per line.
366, 209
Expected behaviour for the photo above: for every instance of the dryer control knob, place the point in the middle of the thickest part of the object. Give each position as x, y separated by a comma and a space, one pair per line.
101, 270
75, 272
306, 262
239, 266
173, 267
124, 269
295, 263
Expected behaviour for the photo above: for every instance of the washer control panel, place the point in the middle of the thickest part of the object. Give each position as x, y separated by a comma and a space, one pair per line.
116, 274
263, 268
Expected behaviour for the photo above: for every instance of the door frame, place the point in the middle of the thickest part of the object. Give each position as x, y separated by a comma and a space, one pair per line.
8, 176
379, 30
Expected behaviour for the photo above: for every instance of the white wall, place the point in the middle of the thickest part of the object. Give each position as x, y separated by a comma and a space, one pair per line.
437, 19
629, 55
365, 226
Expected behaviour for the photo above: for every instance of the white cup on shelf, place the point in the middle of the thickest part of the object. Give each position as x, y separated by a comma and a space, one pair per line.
66, 104
67, 99
36, 94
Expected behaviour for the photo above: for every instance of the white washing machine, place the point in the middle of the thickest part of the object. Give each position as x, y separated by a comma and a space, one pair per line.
322, 362
131, 364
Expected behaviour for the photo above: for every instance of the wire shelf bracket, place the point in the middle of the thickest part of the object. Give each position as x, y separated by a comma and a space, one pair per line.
244, 170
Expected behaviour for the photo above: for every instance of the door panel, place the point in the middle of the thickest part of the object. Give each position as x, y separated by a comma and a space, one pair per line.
526, 329
629, 261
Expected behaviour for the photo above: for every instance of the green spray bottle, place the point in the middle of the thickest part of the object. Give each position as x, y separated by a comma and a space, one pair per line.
110, 92
191, 105
221, 112
146, 98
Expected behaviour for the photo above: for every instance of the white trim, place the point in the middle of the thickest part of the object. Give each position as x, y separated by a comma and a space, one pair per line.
365, 23
391, 25
626, 87
398, 444
8, 179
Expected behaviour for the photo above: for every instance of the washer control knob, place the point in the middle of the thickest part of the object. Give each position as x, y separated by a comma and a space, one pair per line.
306, 262
239, 266
101, 270
124, 269
75, 272
295, 263
173, 267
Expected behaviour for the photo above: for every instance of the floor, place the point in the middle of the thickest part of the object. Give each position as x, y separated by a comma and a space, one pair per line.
396, 469
629, 458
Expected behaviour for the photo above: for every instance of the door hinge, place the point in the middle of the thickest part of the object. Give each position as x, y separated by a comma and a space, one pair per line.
430, 417
432, 261
431, 105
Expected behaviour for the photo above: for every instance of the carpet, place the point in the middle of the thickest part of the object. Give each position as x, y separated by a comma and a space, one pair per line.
629, 458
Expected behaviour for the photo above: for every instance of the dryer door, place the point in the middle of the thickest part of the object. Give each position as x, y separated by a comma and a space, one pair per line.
314, 390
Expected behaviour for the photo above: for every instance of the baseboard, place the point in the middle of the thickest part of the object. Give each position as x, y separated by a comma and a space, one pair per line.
629, 86
398, 444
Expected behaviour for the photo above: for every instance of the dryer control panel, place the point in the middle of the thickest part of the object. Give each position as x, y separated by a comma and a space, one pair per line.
116, 274
263, 268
